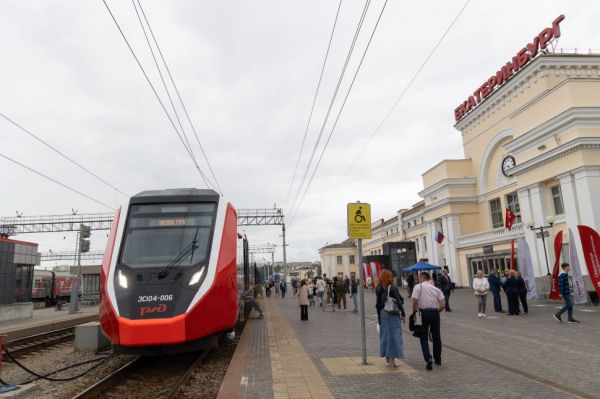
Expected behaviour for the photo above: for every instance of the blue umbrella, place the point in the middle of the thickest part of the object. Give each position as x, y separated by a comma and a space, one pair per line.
421, 265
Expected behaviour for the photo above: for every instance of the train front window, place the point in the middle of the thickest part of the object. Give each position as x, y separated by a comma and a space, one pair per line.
158, 233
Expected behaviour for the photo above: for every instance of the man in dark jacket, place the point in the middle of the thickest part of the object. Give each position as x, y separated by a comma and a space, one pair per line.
512, 293
410, 281
445, 284
495, 284
522, 292
564, 287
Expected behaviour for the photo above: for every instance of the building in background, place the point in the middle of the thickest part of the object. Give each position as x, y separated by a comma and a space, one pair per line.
339, 259
17, 261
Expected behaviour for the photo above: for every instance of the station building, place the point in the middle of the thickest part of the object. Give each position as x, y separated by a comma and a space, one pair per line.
339, 259
17, 261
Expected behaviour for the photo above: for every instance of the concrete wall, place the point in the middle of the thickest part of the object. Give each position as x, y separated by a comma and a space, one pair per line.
16, 311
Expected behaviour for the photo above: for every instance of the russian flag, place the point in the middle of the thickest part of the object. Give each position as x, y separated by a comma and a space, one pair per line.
439, 237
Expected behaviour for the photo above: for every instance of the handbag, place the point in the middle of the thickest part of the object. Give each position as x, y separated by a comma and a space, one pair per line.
390, 304
415, 321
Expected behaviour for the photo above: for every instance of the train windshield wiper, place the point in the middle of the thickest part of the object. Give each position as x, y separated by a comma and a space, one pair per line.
188, 250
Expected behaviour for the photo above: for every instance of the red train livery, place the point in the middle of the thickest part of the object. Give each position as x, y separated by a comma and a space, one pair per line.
171, 277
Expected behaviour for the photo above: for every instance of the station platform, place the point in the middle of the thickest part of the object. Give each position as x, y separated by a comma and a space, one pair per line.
529, 356
46, 320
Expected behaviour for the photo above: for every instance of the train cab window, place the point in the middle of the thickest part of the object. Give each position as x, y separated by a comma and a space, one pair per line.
157, 234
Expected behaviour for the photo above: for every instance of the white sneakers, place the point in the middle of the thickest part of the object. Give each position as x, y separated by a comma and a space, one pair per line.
481, 315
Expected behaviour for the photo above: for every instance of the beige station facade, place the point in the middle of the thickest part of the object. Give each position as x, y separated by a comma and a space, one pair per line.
543, 125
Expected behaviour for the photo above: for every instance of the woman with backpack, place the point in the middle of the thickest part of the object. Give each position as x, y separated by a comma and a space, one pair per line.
390, 313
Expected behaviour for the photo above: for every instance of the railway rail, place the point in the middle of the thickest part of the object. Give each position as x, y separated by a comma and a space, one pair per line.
33, 343
159, 377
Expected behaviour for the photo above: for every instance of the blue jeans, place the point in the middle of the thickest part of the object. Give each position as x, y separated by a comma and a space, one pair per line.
431, 322
497, 301
355, 301
568, 306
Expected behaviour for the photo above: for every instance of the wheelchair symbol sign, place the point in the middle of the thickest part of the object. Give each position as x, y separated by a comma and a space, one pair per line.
359, 220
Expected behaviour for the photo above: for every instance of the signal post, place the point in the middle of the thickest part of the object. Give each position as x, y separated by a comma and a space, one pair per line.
359, 227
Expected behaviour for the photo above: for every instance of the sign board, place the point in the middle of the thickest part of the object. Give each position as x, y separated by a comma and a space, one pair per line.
359, 220
539, 235
488, 249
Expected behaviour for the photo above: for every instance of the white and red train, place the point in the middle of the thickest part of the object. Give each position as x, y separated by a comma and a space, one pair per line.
174, 271
50, 286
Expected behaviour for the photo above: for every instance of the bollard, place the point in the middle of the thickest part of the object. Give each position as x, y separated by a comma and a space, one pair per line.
4, 387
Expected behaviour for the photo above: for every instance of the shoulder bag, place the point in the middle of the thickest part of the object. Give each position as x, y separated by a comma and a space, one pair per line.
415, 321
390, 304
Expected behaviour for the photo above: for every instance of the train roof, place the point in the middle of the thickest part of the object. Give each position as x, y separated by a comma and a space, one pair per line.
175, 195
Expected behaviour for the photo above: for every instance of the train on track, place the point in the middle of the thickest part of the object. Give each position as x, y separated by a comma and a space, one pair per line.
51, 287
174, 273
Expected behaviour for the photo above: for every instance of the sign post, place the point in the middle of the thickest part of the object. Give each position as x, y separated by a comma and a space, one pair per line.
359, 227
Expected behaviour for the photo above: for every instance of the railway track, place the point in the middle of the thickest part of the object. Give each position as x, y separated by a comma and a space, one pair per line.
159, 377
33, 343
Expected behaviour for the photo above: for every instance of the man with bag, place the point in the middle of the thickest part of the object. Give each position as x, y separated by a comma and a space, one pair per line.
428, 302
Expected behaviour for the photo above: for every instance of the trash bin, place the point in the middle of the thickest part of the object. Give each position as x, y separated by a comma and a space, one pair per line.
59, 305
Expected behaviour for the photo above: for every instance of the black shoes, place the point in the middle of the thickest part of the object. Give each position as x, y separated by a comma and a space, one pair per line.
438, 362
572, 321
557, 317
429, 365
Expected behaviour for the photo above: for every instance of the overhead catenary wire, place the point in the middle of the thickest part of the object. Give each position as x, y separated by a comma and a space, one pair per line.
331, 103
56, 181
180, 98
404, 90
313, 105
62, 154
339, 111
188, 150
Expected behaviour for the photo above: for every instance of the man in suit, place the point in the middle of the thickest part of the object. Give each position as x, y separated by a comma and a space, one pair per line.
445, 284
495, 284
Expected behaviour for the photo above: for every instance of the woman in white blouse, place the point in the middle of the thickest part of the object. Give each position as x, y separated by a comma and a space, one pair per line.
481, 287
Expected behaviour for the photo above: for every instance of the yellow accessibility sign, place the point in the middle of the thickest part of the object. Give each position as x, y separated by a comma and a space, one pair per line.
359, 220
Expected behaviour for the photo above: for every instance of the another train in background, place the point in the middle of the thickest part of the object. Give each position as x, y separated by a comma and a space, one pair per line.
51, 287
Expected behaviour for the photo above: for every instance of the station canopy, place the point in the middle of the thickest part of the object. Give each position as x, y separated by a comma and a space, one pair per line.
420, 266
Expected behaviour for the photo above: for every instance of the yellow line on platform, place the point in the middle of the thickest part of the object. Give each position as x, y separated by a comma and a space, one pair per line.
294, 373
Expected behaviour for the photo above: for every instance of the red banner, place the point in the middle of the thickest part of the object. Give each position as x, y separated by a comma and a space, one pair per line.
590, 242
558, 241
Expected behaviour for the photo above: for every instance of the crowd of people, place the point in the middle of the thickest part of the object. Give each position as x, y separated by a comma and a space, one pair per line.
430, 295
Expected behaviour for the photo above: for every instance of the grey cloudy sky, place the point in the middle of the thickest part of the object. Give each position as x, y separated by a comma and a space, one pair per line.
247, 71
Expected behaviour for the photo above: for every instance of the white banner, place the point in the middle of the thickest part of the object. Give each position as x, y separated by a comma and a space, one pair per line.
524, 259
579, 294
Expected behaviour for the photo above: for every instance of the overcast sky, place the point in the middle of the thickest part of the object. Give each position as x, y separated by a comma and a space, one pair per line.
247, 71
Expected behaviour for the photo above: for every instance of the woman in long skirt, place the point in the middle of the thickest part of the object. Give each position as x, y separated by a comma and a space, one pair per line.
390, 329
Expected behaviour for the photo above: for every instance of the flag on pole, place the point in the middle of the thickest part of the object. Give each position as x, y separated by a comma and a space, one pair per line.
590, 242
579, 293
558, 240
509, 219
527, 266
439, 237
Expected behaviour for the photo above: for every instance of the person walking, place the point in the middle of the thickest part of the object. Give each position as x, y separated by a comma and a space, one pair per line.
311, 298
445, 284
429, 300
391, 345
410, 281
341, 293
481, 287
565, 287
303, 300
283, 288
277, 288
347, 280
321, 290
522, 289
354, 293
512, 293
495, 286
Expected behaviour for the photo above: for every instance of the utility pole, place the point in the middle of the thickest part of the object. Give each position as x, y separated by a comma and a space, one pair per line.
285, 267
84, 246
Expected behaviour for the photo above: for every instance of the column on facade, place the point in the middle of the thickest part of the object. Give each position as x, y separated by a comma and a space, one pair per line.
540, 214
527, 214
570, 203
587, 187
433, 247
451, 227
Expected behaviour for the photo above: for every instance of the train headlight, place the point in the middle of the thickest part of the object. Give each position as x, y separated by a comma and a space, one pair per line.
196, 277
122, 280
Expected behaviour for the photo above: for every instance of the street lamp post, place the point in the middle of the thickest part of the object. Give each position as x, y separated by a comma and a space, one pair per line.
543, 232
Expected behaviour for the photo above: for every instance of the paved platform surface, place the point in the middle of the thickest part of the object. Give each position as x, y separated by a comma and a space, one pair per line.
45, 320
530, 356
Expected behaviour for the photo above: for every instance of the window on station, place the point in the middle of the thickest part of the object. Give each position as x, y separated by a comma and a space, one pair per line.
557, 201
496, 213
424, 243
352, 261
417, 245
339, 260
512, 203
